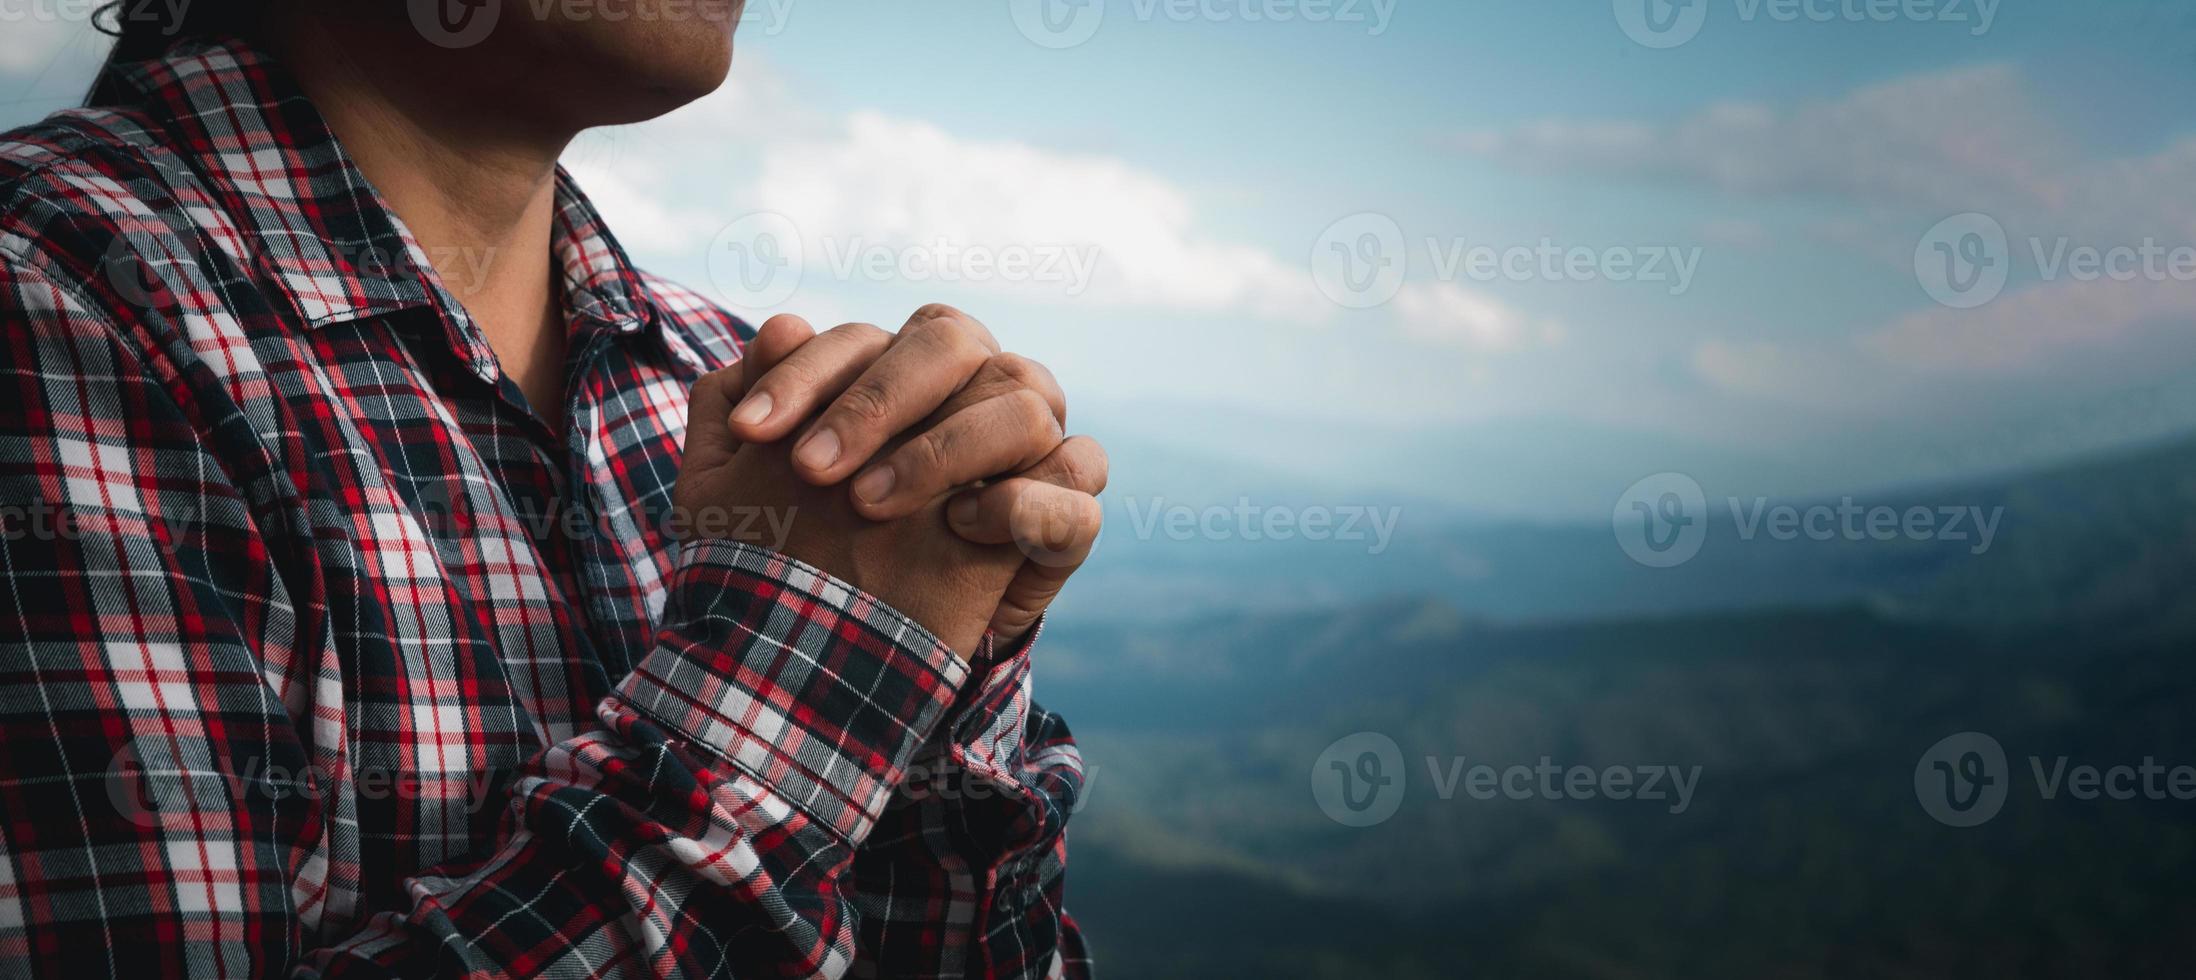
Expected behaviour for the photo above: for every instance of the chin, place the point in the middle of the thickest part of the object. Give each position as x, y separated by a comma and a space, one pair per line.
612, 74
664, 84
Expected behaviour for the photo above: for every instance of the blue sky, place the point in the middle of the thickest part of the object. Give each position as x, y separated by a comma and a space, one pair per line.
1792, 160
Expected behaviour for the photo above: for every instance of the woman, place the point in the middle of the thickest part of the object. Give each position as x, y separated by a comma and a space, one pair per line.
368, 618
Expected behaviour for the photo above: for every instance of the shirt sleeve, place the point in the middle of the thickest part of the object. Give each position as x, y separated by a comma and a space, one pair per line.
965, 873
722, 820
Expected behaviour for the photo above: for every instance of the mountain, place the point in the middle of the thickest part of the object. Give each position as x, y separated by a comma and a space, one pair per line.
1806, 686
2099, 540
1562, 470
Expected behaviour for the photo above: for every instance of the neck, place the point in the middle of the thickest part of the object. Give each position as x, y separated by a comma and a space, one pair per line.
475, 185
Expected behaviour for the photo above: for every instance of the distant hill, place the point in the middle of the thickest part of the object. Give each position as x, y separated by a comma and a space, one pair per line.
1805, 680
2102, 541
1804, 851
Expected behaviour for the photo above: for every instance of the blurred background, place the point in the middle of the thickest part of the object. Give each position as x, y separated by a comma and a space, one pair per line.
1604, 489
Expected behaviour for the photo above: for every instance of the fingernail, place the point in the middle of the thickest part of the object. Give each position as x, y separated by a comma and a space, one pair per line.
875, 485
962, 511
754, 410
819, 450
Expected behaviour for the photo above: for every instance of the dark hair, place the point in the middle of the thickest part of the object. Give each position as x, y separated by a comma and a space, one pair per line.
142, 30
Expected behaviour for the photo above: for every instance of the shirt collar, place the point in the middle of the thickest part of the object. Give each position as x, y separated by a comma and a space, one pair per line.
600, 281
320, 233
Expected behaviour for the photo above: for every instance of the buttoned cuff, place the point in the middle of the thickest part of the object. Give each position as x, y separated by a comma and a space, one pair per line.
798, 679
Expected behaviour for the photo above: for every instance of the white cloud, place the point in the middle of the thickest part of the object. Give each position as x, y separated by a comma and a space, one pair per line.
667, 185
1937, 139
899, 183
867, 181
1448, 314
1831, 379
46, 63
2057, 332
2032, 330
30, 43
1910, 151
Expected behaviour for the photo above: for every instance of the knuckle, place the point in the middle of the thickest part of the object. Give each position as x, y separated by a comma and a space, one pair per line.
1100, 461
929, 457
781, 333
861, 332
1013, 367
1036, 416
788, 379
957, 341
1014, 370
949, 335
1086, 468
938, 311
929, 330
866, 402
781, 323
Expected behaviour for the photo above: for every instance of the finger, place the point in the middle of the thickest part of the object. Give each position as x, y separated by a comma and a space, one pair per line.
709, 441
940, 311
1052, 560
1080, 463
925, 365
1021, 511
777, 337
806, 379
1054, 527
1007, 434
1003, 373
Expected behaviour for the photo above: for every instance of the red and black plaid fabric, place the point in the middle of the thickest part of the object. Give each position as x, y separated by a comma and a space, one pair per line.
320, 654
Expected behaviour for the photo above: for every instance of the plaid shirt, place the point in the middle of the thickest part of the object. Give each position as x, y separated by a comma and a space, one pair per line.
322, 655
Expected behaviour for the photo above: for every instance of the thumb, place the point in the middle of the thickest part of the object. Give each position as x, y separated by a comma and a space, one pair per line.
709, 439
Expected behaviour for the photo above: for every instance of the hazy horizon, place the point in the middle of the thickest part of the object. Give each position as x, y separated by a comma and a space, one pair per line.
1770, 188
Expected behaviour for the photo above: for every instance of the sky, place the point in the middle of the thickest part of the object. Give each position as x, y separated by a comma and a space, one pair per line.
1509, 255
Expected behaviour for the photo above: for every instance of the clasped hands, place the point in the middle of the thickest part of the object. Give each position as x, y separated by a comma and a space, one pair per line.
927, 467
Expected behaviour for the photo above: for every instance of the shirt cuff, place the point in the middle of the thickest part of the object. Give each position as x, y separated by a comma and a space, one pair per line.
807, 684
986, 722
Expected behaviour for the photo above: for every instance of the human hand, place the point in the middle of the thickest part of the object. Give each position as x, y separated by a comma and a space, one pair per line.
915, 564
931, 410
